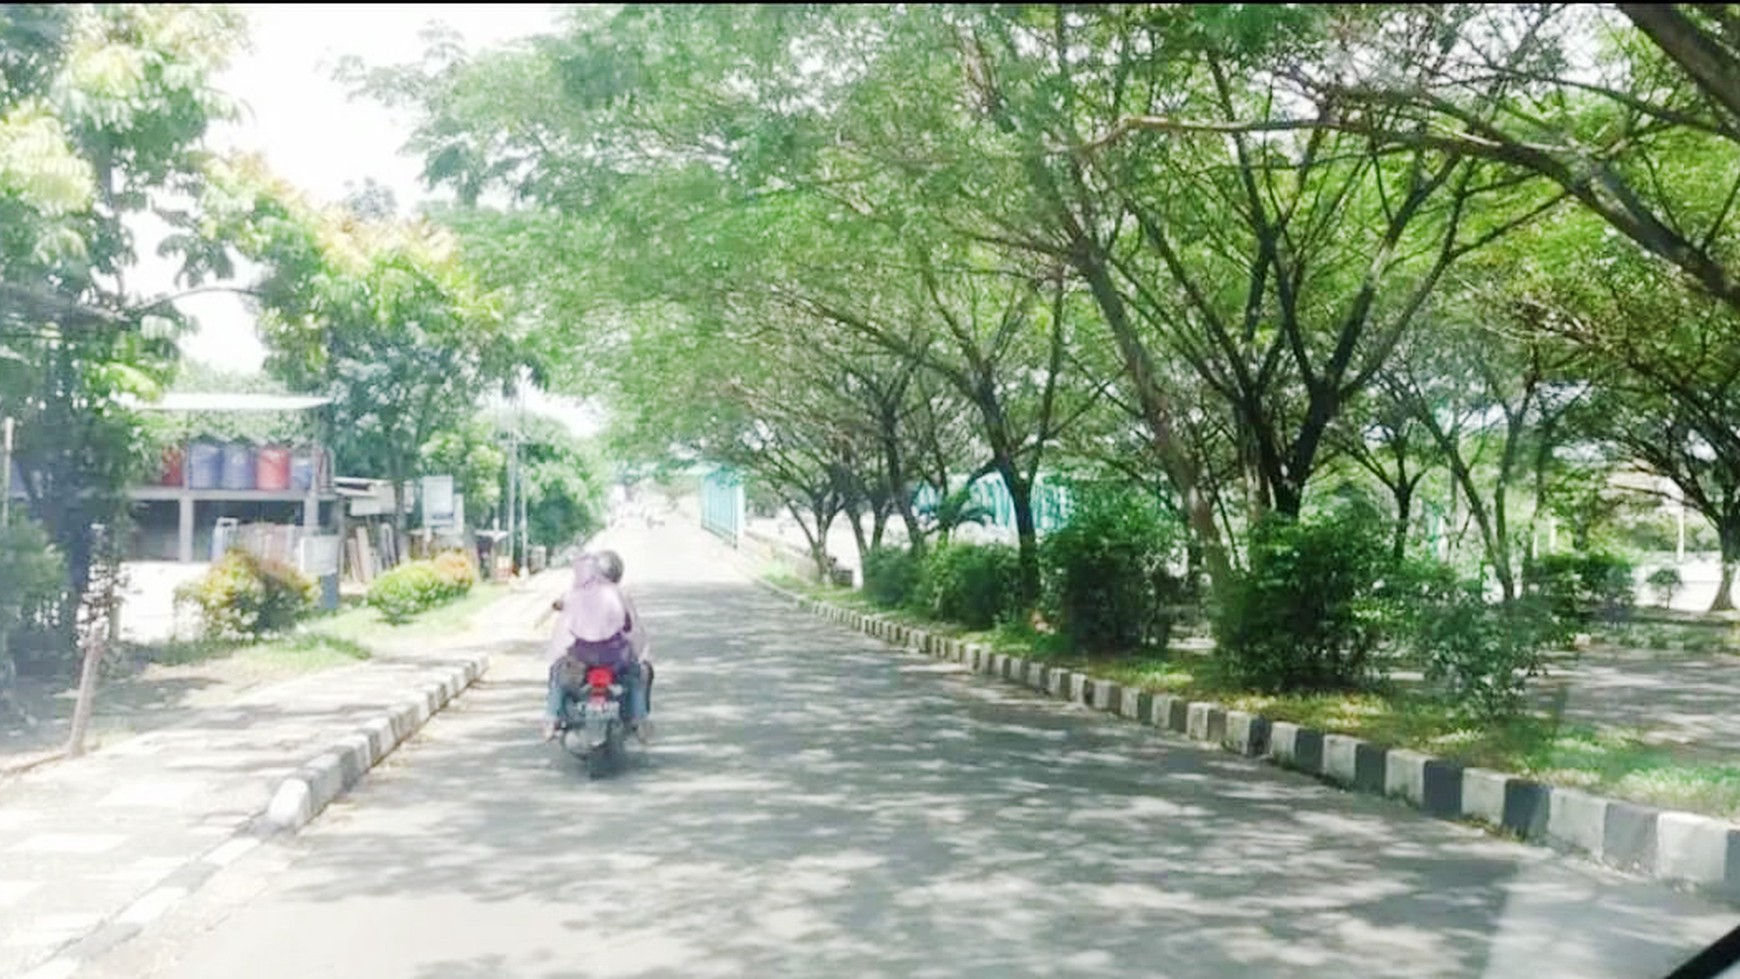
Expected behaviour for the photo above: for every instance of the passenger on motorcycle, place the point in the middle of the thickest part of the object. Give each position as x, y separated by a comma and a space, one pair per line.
596, 626
611, 563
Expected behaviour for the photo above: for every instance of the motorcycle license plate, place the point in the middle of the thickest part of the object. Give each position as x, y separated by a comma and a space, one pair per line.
601, 708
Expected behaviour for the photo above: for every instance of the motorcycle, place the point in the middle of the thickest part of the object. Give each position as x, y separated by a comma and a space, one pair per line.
593, 729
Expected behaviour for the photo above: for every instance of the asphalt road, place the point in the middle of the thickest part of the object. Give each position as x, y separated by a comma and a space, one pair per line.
819, 805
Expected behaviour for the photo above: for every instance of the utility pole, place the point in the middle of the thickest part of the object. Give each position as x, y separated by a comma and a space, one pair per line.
6, 426
513, 498
524, 540
5, 524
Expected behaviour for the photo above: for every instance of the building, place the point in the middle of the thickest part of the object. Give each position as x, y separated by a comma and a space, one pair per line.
207, 491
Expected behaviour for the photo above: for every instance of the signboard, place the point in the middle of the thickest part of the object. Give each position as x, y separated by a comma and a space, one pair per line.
437, 495
380, 502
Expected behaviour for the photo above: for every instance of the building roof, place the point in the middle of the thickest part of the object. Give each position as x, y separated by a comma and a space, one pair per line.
189, 401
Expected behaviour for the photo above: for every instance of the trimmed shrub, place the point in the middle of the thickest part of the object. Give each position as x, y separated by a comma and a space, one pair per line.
1105, 581
891, 575
408, 589
457, 572
244, 597
1306, 614
976, 585
1665, 583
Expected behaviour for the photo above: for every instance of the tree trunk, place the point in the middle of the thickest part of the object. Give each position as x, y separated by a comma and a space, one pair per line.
1026, 532
1404, 513
396, 471
819, 547
1730, 536
1180, 469
855, 515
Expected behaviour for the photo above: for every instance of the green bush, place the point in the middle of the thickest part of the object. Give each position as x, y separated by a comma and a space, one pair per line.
1665, 582
32, 573
457, 572
977, 586
408, 589
891, 575
1482, 654
1579, 587
244, 597
1305, 615
1104, 574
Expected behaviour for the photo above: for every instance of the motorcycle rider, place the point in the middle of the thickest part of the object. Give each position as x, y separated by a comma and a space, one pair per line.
593, 628
611, 563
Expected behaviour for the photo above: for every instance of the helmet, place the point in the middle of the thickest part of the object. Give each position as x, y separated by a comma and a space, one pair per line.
610, 563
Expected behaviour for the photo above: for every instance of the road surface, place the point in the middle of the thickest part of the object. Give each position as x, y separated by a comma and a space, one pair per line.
819, 805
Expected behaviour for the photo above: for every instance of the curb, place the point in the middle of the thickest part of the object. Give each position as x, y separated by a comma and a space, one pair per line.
1699, 853
299, 798
329, 774
31, 762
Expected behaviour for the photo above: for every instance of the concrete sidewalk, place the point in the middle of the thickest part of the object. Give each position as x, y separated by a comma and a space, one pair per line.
82, 841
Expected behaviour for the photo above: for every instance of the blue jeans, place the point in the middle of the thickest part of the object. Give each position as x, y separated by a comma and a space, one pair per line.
629, 676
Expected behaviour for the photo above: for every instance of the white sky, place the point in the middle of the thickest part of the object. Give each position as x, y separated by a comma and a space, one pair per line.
312, 134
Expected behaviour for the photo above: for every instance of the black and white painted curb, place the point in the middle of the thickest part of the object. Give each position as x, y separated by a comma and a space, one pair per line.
299, 798
1683, 849
326, 776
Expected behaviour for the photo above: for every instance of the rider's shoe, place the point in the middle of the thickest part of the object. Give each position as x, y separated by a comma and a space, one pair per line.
644, 730
550, 730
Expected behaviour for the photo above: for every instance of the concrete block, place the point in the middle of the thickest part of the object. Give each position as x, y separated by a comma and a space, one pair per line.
1698, 850
1297, 747
1405, 775
1056, 682
1628, 835
1577, 819
1170, 713
380, 735
1441, 795
1014, 668
292, 804
1078, 687
1369, 767
1108, 696
325, 776
1483, 795
1205, 721
1341, 758
1130, 703
358, 758
1527, 807
1246, 733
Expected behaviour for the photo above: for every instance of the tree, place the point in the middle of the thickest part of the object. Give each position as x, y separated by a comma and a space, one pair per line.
102, 111
380, 316
563, 480
1673, 393
1605, 113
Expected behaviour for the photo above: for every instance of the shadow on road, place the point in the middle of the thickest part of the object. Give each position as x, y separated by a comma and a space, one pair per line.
817, 805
